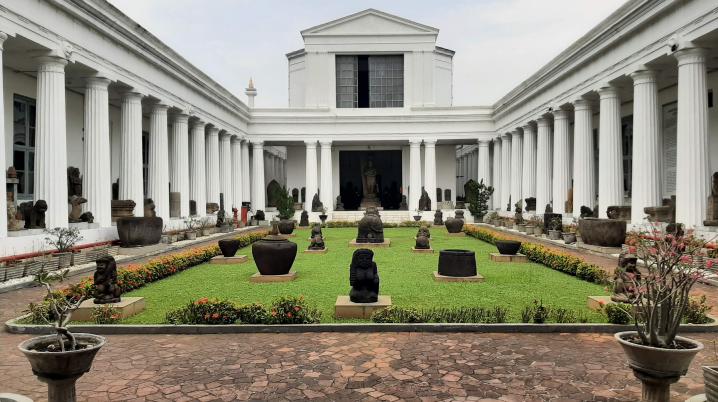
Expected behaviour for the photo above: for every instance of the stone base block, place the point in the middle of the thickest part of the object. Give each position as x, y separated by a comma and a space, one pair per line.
444, 278
345, 308
127, 307
422, 250
322, 251
508, 258
259, 278
353, 243
460, 234
289, 235
596, 303
222, 260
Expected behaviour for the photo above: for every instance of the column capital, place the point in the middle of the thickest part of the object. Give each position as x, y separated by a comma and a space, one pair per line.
516, 133
213, 130
198, 124
51, 63
506, 137
527, 127
310, 143
257, 142
325, 143
415, 142
581, 104
608, 92
131, 95
644, 77
97, 82
542, 122
160, 107
180, 117
560, 114
430, 141
3, 38
483, 143
690, 55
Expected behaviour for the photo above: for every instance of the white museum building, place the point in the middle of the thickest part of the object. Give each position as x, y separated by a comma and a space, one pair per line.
625, 116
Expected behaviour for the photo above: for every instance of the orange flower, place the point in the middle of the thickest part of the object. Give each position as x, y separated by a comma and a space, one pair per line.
297, 308
202, 301
215, 316
289, 315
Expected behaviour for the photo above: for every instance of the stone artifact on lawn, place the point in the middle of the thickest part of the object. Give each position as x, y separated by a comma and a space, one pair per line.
438, 217
317, 230
34, 215
371, 228
317, 205
423, 231
424, 201
460, 263
150, 208
228, 247
76, 202
712, 212
274, 254
455, 224
422, 242
317, 242
304, 220
74, 182
625, 278
363, 277
105, 281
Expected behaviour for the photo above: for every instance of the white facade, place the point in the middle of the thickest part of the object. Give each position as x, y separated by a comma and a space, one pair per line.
624, 116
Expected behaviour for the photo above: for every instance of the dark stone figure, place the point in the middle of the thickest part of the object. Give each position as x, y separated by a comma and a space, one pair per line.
586, 212
548, 209
625, 278
340, 205
530, 203
518, 213
508, 206
304, 220
212, 207
422, 242
87, 217
105, 279
438, 217
317, 205
317, 230
34, 215
712, 212
424, 201
74, 182
150, 208
221, 214
259, 215
423, 231
371, 228
403, 206
363, 277
317, 242
76, 202
193, 207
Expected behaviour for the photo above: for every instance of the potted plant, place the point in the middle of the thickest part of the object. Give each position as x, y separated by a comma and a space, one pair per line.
63, 240
478, 195
537, 223
323, 215
191, 222
569, 232
554, 228
60, 359
656, 354
285, 209
205, 226
417, 215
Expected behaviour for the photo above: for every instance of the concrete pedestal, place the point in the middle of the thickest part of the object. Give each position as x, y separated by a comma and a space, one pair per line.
127, 307
422, 250
496, 257
353, 243
444, 278
322, 251
460, 234
222, 260
345, 308
259, 278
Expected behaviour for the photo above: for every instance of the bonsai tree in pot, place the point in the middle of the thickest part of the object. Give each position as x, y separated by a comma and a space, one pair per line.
478, 196
285, 208
554, 228
657, 356
323, 215
60, 359
417, 215
191, 222
63, 240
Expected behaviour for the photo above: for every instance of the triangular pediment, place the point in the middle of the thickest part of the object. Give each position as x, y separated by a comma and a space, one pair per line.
370, 22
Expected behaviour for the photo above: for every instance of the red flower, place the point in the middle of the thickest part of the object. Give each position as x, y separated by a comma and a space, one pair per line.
215, 316
297, 308
289, 315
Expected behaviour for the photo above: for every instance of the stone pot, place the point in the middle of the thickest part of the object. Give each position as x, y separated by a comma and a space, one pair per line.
417, 218
64, 259
657, 368
457, 263
60, 370
710, 379
454, 225
274, 255
190, 235
602, 232
228, 247
323, 218
569, 238
508, 247
521, 227
538, 230
515, 227
139, 231
285, 226
554, 234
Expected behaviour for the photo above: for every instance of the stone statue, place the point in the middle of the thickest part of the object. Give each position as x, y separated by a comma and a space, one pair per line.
210, 208
340, 205
221, 214
625, 278
363, 277
371, 228
438, 217
518, 213
12, 222
422, 242
548, 209
317, 242
193, 207
34, 215
508, 206
403, 206
105, 280
76, 208
424, 201
317, 230
569, 201
530, 204
586, 212
712, 212
423, 231
150, 208
259, 215
74, 182
87, 217
619, 212
317, 205
304, 220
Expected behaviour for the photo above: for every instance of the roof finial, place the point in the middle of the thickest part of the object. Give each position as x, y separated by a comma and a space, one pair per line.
251, 83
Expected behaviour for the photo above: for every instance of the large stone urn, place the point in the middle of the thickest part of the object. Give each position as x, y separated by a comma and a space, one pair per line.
60, 370
455, 224
228, 247
457, 263
602, 232
139, 231
274, 254
286, 226
508, 247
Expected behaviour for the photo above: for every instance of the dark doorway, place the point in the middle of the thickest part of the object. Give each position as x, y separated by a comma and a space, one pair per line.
363, 81
388, 177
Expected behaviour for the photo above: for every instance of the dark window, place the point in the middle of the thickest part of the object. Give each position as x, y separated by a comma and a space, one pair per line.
23, 145
145, 160
627, 146
370, 81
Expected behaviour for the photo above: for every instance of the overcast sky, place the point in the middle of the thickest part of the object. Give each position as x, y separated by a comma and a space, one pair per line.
498, 43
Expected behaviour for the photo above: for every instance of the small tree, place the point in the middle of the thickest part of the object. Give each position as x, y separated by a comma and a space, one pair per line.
62, 239
285, 204
60, 308
478, 195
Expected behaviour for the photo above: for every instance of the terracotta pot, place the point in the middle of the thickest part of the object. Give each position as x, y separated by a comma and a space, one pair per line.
139, 231
285, 226
454, 225
602, 232
460, 263
508, 247
228, 247
710, 379
274, 255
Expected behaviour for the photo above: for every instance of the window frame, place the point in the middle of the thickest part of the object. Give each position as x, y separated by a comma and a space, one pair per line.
26, 173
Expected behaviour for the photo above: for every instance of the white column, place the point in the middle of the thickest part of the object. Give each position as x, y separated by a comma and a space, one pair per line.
158, 173
197, 168
97, 183
561, 160
326, 193
430, 170
3, 163
610, 154
225, 171
179, 161
528, 177
584, 166
414, 173
647, 146
50, 140
516, 168
496, 179
692, 170
310, 173
211, 155
258, 190
246, 173
506, 169
236, 175
131, 179
484, 163
543, 164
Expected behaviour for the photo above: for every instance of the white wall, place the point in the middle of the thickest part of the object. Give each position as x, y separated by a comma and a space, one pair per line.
296, 166
445, 170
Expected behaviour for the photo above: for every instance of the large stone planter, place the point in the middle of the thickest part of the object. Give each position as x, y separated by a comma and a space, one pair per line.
228, 247
460, 263
455, 224
285, 226
508, 247
274, 255
602, 232
139, 231
60, 370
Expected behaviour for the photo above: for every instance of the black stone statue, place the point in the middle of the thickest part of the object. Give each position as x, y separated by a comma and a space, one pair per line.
424, 201
317, 242
74, 182
625, 278
34, 215
363, 277
586, 212
340, 204
423, 231
105, 279
317, 230
304, 220
438, 217
317, 205
403, 206
371, 228
422, 242
259, 215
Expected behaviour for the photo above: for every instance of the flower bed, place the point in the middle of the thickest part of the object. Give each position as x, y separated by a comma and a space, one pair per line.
561, 262
353, 224
284, 310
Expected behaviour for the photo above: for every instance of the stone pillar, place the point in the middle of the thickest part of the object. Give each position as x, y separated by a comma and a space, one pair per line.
610, 154
225, 171
506, 169
179, 161
310, 173
258, 189
158, 173
414, 173
693, 163
528, 177
326, 193
584, 165
3, 162
97, 181
543, 164
236, 174
197, 167
430, 171
516, 168
246, 173
561, 161
647, 145
131, 179
497, 176
211, 160
483, 167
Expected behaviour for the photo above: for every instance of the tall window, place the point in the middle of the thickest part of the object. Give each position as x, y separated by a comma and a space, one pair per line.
23, 156
627, 145
370, 81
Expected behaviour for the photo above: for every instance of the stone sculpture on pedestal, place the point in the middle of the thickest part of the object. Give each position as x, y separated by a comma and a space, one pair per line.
424, 201
317, 230
403, 206
422, 241
712, 212
317, 205
105, 280
34, 215
76, 208
625, 278
340, 205
304, 220
317, 242
423, 231
74, 182
371, 228
12, 223
150, 208
363, 277
438, 217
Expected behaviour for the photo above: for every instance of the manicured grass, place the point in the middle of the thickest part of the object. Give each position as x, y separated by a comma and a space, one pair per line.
406, 276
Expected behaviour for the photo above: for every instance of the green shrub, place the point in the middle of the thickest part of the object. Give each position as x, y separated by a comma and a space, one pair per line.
404, 315
697, 311
252, 314
293, 310
204, 311
105, 314
395, 314
618, 313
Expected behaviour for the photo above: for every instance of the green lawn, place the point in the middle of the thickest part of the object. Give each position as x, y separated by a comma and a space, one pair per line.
406, 276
